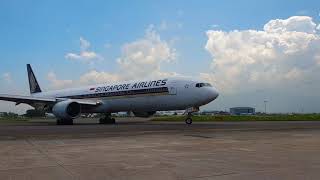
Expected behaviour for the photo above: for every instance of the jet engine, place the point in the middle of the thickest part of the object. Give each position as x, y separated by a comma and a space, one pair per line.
144, 114
66, 109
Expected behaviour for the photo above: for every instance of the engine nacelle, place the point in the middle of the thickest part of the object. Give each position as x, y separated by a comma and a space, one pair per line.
66, 109
144, 114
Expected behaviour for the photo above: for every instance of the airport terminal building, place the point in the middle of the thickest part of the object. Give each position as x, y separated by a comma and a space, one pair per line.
242, 110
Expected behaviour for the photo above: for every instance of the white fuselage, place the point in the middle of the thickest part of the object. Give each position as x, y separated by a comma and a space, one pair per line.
140, 96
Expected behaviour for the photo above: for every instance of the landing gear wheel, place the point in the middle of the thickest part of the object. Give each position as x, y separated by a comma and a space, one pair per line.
107, 120
102, 121
113, 121
188, 120
64, 121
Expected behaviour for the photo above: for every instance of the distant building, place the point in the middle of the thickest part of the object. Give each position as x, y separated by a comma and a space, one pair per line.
170, 113
242, 111
121, 114
211, 113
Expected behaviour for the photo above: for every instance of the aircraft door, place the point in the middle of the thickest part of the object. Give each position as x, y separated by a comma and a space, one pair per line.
172, 90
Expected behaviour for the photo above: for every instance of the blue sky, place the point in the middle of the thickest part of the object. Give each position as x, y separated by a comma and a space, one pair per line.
43, 32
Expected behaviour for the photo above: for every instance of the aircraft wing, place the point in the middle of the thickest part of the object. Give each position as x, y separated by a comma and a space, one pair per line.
31, 100
26, 99
86, 102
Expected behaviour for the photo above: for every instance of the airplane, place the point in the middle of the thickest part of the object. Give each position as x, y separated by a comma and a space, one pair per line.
143, 98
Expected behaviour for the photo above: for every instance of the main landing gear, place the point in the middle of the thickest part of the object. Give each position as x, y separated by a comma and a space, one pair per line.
107, 119
64, 121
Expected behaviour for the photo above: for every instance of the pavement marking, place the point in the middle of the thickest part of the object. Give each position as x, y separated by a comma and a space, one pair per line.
41, 151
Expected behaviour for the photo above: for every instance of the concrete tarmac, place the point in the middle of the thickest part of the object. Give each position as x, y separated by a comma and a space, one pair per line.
138, 149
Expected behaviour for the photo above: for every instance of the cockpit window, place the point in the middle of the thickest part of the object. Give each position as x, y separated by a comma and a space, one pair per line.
203, 85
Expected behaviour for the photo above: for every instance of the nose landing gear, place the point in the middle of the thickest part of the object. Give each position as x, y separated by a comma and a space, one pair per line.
189, 119
189, 112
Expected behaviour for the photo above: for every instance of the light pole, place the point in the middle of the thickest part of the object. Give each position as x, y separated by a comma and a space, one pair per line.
265, 106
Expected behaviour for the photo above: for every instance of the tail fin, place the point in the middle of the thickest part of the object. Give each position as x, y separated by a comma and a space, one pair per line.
33, 83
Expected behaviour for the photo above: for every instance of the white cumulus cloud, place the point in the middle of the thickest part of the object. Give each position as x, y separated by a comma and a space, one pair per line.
144, 57
139, 59
56, 83
85, 55
94, 77
7, 77
294, 23
84, 44
91, 77
282, 55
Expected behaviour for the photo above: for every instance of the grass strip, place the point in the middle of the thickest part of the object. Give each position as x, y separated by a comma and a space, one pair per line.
208, 118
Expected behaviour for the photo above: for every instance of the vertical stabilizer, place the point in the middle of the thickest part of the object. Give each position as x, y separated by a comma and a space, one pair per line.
33, 83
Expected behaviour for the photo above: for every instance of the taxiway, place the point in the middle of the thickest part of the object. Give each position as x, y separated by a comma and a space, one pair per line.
161, 150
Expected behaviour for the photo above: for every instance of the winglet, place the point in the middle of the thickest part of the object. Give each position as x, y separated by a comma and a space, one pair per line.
33, 83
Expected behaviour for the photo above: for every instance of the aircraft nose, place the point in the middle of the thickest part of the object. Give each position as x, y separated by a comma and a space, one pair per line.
213, 93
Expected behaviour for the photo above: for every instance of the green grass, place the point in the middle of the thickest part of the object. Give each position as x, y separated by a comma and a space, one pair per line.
207, 118
13, 119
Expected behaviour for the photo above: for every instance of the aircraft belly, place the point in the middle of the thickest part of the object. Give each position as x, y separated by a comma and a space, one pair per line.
147, 103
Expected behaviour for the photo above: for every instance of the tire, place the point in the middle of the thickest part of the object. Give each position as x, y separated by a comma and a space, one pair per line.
188, 121
59, 122
107, 121
103, 121
69, 122
113, 121
64, 121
